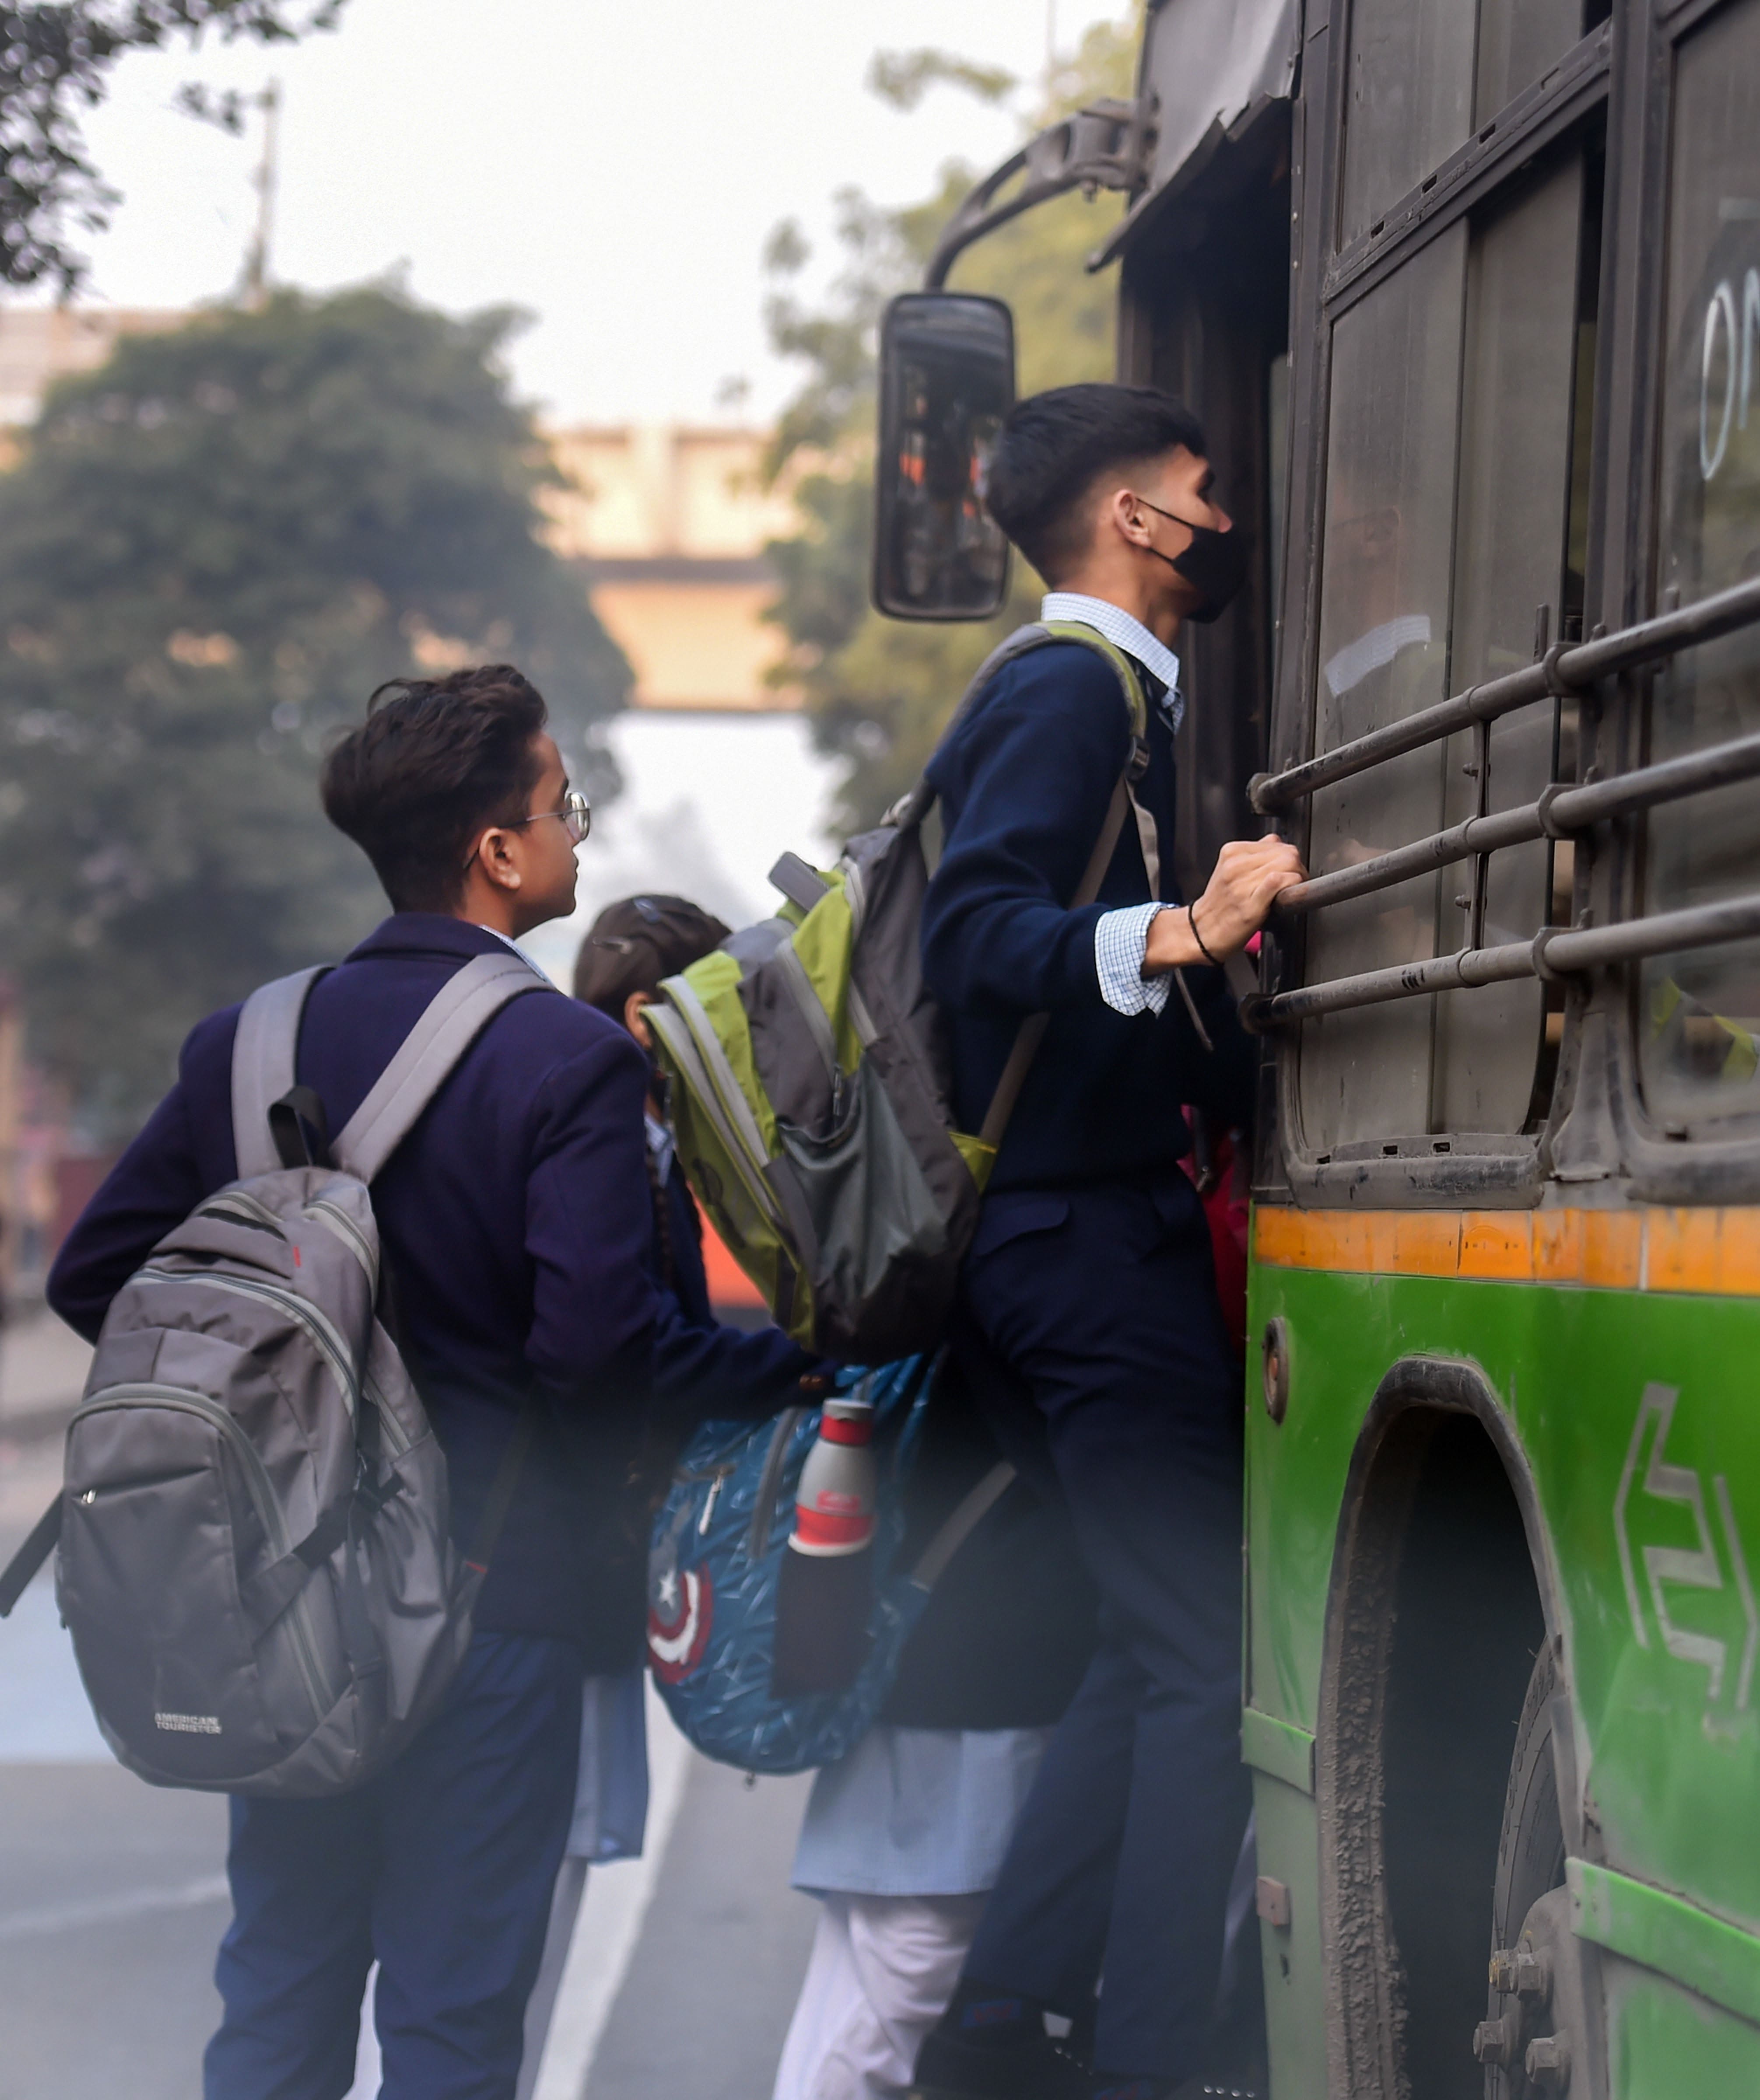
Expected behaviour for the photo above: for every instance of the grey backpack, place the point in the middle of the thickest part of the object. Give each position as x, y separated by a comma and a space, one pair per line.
254, 1556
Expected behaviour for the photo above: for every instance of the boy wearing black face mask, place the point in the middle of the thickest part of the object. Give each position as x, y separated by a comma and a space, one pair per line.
1088, 1317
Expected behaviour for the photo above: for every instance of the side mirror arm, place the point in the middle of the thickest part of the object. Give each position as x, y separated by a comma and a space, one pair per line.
1105, 146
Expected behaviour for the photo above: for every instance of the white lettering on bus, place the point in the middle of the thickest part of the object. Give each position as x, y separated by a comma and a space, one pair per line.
1738, 385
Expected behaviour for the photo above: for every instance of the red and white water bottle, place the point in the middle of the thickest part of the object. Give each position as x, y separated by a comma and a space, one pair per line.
825, 1591
834, 1503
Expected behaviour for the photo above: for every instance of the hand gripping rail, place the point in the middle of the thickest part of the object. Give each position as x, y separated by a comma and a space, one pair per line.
1560, 811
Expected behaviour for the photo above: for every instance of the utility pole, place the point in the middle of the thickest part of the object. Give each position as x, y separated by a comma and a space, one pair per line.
256, 274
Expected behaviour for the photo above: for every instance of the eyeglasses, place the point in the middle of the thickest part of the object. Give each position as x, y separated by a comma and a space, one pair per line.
576, 813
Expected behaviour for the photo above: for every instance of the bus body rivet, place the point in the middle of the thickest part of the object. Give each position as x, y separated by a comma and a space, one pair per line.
1549, 2062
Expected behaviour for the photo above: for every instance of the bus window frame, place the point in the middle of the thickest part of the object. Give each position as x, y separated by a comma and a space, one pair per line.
1441, 1170
1598, 1129
1183, 330
1609, 1118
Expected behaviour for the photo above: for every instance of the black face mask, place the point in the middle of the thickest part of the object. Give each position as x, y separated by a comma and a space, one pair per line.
1215, 564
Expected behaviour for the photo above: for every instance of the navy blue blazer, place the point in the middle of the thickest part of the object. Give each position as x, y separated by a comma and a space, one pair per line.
517, 1222
1024, 782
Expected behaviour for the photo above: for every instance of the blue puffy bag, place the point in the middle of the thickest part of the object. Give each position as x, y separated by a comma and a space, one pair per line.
716, 1562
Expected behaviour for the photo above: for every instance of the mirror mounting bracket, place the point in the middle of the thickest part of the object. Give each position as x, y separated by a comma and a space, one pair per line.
1105, 146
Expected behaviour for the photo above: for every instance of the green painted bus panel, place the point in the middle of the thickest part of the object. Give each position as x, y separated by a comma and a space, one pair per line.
1295, 1977
1719, 1961
1639, 1417
1664, 2044
1270, 1745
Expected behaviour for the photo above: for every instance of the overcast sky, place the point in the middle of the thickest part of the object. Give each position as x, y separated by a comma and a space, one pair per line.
614, 168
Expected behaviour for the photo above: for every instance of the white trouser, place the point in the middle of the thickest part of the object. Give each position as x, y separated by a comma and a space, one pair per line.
882, 1972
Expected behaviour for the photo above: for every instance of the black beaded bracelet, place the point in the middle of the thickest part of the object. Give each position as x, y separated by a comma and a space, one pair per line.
1192, 920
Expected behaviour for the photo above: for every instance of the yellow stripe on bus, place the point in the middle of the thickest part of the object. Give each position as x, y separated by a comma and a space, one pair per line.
1710, 1250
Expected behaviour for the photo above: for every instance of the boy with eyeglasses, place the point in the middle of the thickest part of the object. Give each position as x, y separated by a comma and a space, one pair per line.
515, 1223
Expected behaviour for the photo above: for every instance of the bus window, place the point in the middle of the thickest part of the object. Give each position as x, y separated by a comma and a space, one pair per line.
1699, 1014
1423, 74
1410, 89
1434, 578
1514, 514
1518, 41
1383, 654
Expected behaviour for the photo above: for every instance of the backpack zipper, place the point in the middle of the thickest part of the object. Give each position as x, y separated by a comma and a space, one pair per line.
331, 1343
322, 1332
236, 1203
855, 890
718, 1479
239, 1203
818, 1024
345, 1228
333, 1214
764, 1503
713, 1077
862, 1019
258, 1485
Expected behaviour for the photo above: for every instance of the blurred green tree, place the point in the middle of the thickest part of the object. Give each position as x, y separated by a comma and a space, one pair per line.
55, 58
880, 690
211, 550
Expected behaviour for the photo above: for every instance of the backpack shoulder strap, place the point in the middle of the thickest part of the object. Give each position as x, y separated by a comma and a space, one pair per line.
1148, 838
1091, 637
262, 1066
453, 1019
1124, 803
1031, 1033
913, 806
970, 1512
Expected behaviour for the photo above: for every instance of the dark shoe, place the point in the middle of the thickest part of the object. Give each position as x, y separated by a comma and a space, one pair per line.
1033, 2068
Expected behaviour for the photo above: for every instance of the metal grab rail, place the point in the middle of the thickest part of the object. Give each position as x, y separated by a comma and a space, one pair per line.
1554, 951
1559, 672
1559, 811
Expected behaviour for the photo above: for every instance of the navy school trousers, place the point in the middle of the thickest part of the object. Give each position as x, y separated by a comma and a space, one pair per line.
440, 1869
1091, 1329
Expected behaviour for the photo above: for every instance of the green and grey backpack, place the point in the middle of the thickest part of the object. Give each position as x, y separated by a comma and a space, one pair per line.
811, 1083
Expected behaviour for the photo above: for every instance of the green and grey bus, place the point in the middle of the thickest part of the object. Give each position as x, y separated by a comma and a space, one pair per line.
1469, 297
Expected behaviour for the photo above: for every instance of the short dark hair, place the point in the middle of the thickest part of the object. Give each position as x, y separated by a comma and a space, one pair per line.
1052, 448
436, 760
635, 943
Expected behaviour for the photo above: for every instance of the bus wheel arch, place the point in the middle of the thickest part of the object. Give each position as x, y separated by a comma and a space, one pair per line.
1440, 1600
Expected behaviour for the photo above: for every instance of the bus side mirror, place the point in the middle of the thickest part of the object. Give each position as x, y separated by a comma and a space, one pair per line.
946, 379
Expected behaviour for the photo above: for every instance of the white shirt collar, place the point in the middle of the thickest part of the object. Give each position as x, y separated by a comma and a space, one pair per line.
513, 944
662, 1145
1127, 632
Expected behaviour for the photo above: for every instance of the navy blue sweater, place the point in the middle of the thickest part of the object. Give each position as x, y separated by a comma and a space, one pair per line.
1024, 782
517, 1222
